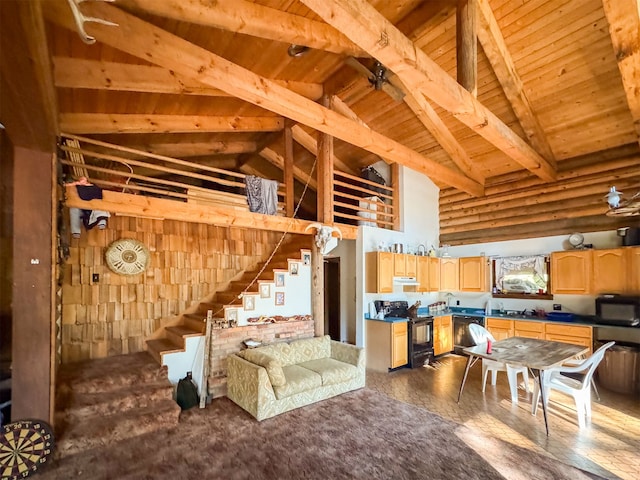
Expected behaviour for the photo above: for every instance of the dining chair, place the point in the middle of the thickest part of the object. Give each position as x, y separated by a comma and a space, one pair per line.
574, 381
480, 335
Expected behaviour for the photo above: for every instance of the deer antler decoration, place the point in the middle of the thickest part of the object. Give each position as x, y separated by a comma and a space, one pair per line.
323, 234
80, 19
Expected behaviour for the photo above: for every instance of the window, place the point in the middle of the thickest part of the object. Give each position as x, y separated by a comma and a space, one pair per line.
521, 277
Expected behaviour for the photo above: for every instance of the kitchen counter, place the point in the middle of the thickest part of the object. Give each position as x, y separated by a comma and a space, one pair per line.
389, 319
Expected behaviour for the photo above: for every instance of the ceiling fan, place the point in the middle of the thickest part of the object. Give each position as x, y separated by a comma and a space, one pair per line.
623, 208
379, 77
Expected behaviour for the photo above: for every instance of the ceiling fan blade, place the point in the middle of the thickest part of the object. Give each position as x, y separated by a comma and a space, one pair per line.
393, 87
394, 92
357, 66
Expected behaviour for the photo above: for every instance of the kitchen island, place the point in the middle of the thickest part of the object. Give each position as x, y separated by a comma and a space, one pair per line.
387, 343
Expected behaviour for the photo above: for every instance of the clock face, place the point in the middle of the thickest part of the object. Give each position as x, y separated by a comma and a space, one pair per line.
127, 257
576, 239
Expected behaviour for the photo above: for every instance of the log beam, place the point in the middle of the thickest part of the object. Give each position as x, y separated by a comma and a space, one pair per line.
287, 139
624, 28
98, 75
325, 175
467, 45
366, 27
311, 145
198, 149
88, 123
277, 160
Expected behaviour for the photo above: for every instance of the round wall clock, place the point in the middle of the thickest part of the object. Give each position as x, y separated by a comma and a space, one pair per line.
127, 257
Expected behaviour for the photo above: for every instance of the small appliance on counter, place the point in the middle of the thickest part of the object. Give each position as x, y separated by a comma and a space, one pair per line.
618, 310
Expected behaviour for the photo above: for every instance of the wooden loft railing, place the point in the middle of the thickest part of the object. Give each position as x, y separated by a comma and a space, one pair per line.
217, 195
132, 171
362, 201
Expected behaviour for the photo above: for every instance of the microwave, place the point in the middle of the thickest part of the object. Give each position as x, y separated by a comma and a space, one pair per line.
622, 310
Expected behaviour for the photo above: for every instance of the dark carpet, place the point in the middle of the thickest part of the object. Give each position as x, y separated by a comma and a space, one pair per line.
358, 435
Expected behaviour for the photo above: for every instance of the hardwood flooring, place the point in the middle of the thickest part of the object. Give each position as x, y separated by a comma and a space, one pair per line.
609, 445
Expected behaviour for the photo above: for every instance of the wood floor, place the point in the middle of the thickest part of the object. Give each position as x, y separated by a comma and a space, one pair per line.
609, 446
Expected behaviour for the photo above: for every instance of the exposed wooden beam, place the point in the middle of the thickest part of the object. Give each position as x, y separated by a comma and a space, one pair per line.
366, 27
325, 174
624, 28
27, 94
198, 149
496, 51
287, 140
116, 202
84, 123
253, 19
147, 41
278, 160
467, 45
98, 75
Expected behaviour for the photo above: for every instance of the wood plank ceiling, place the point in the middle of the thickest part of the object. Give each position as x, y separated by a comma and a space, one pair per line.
555, 121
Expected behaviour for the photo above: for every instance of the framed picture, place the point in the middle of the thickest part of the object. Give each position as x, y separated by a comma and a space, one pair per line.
248, 302
306, 258
279, 298
293, 268
280, 279
265, 290
231, 314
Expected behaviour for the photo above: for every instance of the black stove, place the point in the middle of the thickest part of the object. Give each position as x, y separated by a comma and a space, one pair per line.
420, 330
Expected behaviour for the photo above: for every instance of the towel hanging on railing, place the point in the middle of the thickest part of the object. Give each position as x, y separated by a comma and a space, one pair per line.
262, 195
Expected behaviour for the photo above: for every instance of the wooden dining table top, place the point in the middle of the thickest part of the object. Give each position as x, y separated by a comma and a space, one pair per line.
528, 352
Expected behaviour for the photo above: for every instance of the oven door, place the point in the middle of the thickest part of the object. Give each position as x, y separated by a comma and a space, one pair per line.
421, 334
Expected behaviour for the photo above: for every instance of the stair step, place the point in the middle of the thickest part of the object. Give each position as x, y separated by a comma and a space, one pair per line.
159, 347
227, 297
178, 333
110, 373
82, 405
100, 430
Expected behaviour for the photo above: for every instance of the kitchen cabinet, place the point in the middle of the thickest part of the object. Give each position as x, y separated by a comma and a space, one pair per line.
442, 335
571, 272
523, 328
610, 271
500, 328
379, 272
428, 274
404, 265
633, 273
449, 276
473, 274
575, 334
387, 345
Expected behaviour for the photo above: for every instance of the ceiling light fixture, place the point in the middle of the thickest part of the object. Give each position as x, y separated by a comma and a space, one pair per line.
297, 50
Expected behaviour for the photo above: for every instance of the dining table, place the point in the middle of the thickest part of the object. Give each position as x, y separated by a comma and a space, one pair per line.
535, 354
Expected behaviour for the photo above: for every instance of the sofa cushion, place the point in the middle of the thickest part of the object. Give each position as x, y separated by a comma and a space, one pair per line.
310, 349
332, 371
271, 365
299, 380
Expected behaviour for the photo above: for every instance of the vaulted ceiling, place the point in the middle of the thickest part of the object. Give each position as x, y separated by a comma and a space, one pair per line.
548, 117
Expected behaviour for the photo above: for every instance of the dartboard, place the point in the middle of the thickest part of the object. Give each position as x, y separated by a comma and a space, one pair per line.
24, 447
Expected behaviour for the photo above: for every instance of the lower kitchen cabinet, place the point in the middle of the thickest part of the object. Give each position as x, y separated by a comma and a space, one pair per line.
387, 345
522, 328
500, 328
576, 334
442, 335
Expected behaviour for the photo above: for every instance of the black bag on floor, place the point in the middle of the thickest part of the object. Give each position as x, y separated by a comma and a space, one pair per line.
187, 393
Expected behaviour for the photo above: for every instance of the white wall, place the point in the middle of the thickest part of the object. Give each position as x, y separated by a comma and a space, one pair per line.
346, 250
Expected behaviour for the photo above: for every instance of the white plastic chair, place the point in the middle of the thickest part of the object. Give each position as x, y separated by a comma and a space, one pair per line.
480, 335
574, 381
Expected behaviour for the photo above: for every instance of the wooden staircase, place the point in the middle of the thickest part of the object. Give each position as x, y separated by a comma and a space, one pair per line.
193, 324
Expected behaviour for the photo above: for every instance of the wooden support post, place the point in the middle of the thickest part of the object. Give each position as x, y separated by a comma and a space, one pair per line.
397, 197
325, 173
288, 168
467, 45
33, 286
317, 289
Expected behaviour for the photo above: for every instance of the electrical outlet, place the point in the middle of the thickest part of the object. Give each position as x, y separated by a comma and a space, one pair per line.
95, 278
457, 302
557, 306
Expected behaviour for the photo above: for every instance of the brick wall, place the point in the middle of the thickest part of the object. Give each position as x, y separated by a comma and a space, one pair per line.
229, 340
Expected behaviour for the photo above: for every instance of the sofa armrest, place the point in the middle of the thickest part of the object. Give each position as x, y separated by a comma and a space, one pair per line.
348, 353
248, 384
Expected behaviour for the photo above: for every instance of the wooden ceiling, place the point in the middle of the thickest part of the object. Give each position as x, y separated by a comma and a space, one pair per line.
554, 123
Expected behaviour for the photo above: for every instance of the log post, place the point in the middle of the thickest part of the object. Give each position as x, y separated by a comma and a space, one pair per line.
288, 168
467, 45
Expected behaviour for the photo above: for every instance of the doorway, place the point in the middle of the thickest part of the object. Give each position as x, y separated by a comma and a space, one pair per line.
332, 297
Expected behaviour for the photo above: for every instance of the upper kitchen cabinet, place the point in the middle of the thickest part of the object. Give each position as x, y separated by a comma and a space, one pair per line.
379, 268
610, 271
404, 265
449, 274
571, 272
473, 274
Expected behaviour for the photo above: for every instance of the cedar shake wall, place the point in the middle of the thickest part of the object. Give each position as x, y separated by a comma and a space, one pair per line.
226, 341
116, 314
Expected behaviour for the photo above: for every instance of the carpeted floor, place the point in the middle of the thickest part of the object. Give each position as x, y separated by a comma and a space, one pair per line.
358, 435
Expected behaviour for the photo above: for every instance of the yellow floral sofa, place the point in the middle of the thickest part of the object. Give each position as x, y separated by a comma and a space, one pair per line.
274, 379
